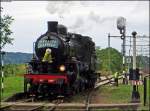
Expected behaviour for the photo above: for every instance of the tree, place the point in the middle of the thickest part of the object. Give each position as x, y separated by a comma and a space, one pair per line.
5, 32
103, 59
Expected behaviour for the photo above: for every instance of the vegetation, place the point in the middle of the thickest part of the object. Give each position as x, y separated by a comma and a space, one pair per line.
12, 85
14, 69
110, 60
5, 31
122, 94
142, 61
13, 80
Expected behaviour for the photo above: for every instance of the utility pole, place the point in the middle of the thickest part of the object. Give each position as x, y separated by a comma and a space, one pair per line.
109, 51
109, 40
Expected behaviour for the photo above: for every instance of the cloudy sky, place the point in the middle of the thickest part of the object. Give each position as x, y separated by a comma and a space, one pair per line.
92, 18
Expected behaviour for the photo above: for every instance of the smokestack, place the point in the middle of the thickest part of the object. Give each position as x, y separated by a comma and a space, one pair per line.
52, 26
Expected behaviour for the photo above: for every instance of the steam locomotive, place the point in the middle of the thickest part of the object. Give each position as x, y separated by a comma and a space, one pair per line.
73, 67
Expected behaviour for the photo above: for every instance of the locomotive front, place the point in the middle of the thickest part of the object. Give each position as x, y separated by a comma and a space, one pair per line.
50, 40
43, 77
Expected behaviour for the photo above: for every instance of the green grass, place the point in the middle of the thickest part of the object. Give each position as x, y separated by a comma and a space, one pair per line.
12, 85
112, 94
13, 80
122, 94
148, 96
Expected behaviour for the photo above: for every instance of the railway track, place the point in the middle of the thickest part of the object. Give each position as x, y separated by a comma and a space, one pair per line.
104, 81
66, 106
17, 106
30, 106
58, 105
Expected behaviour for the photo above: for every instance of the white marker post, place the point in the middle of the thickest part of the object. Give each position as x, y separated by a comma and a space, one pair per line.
2, 71
2, 74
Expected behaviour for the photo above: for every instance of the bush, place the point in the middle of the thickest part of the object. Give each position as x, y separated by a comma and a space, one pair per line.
14, 69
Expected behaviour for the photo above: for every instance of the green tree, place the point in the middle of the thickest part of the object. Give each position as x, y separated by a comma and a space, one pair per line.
5, 32
115, 60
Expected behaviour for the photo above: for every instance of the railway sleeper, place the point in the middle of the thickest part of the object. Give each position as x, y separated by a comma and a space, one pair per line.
23, 108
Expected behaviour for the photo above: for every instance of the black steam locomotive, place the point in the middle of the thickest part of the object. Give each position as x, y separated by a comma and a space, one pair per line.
73, 67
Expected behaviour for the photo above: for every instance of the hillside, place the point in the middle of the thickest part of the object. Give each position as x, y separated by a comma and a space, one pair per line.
17, 57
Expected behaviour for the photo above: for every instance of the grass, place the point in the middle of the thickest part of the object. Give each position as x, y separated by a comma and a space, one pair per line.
112, 94
147, 107
12, 85
13, 80
122, 94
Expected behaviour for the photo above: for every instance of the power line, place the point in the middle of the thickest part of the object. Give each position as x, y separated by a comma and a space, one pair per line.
138, 45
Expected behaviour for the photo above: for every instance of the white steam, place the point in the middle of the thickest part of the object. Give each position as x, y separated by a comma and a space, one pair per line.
64, 9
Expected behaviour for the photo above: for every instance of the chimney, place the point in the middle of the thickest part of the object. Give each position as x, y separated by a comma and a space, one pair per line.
52, 26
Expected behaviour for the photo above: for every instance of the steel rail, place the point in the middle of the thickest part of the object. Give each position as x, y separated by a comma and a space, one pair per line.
66, 106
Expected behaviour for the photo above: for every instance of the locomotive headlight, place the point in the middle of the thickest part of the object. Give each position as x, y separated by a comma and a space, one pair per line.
62, 68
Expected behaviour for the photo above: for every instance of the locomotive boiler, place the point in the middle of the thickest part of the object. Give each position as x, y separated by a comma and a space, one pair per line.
73, 63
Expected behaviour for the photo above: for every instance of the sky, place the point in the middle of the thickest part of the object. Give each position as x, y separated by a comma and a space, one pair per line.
89, 18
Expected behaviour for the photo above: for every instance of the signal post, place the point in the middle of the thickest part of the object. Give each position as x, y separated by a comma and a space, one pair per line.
134, 73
